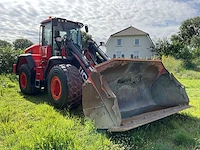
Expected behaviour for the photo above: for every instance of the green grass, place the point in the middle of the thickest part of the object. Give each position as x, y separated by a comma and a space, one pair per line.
29, 122
193, 90
177, 132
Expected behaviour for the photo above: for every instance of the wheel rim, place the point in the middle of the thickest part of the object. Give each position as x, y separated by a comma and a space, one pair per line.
23, 80
56, 88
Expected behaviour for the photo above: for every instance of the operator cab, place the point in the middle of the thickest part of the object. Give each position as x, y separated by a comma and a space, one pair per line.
54, 30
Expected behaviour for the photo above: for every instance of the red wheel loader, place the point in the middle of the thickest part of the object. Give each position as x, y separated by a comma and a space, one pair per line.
117, 94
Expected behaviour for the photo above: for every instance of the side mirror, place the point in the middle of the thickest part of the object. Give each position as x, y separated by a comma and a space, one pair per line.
86, 28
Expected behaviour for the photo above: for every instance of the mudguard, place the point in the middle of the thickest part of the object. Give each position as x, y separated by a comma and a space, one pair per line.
24, 59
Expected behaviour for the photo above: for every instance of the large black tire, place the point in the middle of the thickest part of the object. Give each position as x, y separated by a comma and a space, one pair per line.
64, 86
26, 80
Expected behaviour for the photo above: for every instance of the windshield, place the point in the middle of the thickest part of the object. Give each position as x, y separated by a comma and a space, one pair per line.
69, 29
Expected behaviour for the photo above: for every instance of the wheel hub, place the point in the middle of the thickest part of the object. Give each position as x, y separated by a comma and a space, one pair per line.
56, 88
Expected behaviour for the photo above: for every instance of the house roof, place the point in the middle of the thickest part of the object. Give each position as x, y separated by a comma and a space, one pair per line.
129, 31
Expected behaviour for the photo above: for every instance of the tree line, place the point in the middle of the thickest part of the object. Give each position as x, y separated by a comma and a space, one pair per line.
18, 44
10, 51
184, 45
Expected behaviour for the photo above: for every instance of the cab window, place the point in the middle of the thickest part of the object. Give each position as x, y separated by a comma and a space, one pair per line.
47, 34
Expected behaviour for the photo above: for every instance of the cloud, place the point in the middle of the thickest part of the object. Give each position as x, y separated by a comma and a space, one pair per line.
21, 19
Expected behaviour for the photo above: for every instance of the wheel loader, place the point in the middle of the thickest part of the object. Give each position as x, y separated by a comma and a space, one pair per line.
116, 94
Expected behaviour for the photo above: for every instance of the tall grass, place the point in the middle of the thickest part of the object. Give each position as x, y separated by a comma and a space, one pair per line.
177, 68
30, 123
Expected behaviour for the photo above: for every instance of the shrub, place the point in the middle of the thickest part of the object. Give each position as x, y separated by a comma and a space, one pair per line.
8, 56
172, 64
179, 69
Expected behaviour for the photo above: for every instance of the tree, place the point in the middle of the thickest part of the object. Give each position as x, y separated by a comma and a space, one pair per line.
188, 29
195, 41
184, 45
195, 44
4, 44
188, 40
85, 38
22, 43
161, 47
176, 49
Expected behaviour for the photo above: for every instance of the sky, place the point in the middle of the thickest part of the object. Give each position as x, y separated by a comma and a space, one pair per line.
159, 18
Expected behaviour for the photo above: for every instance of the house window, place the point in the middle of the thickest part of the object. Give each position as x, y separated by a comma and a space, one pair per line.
114, 56
136, 54
118, 54
119, 42
122, 55
136, 42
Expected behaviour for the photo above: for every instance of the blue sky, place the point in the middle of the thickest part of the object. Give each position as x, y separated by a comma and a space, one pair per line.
159, 18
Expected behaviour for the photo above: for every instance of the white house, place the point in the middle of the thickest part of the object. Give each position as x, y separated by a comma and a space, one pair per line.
129, 43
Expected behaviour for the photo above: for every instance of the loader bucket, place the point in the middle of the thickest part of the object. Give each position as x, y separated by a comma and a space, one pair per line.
122, 94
